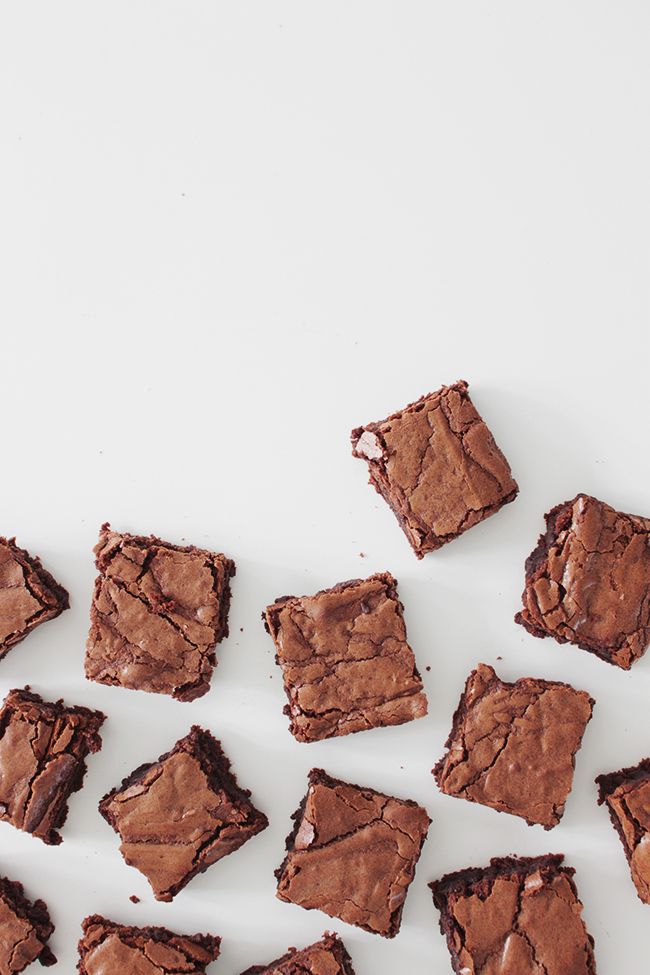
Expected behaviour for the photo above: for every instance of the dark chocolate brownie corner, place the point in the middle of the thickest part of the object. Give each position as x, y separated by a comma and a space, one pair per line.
107, 948
627, 796
25, 928
29, 594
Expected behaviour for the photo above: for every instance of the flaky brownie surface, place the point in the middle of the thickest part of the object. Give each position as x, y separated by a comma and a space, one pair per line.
627, 796
25, 928
29, 595
326, 957
107, 948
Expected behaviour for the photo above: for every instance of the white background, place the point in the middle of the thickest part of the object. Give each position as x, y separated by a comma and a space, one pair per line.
232, 231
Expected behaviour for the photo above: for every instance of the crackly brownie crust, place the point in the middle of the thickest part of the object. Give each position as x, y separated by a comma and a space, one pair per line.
627, 795
107, 948
25, 928
352, 853
345, 659
525, 911
588, 581
437, 466
29, 595
43, 751
157, 614
180, 814
512, 746
326, 957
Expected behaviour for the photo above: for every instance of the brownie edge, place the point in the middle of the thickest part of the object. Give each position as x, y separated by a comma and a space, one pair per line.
107, 948
328, 956
30, 945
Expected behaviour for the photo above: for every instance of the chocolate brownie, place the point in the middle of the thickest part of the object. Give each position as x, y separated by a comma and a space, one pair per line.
158, 612
437, 466
180, 814
352, 853
29, 595
345, 660
627, 794
43, 751
519, 916
326, 957
107, 948
588, 581
25, 928
512, 746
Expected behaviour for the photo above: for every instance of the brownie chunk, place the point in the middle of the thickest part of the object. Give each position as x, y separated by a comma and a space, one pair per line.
158, 612
107, 948
519, 916
345, 660
43, 751
588, 581
352, 853
180, 814
29, 595
437, 466
25, 928
512, 746
326, 957
627, 794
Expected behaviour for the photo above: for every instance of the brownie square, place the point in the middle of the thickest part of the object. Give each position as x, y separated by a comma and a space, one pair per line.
352, 853
107, 948
158, 612
25, 928
519, 915
29, 595
588, 581
437, 466
326, 957
627, 794
180, 814
43, 751
512, 746
345, 660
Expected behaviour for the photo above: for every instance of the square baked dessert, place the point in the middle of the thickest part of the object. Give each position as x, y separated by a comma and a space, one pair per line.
512, 746
43, 751
29, 595
588, 581
326, 957
345, 660
519, 916
157, 614
107, 948
180, 814
436, 465
352, 853
25, 928
627, 795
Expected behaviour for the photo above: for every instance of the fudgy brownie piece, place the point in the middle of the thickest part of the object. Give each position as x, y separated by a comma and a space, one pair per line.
180, 814
627, 794
43, 751
512, 746
25, 928
352, 853
437, 466
519, 916
107, 948
29, 595
345, 660
158, 612
326, 957
588, 581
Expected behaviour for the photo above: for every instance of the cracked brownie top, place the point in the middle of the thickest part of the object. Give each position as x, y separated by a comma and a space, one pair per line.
588, 581
515, 917
158, 612
352, 853
107, 948
345, 660
43, 750
25, 928
437, 466
178, 815
512, 746
326, 957
29, 595
627, 794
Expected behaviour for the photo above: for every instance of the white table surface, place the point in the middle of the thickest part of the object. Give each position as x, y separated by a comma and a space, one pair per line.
230, 232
